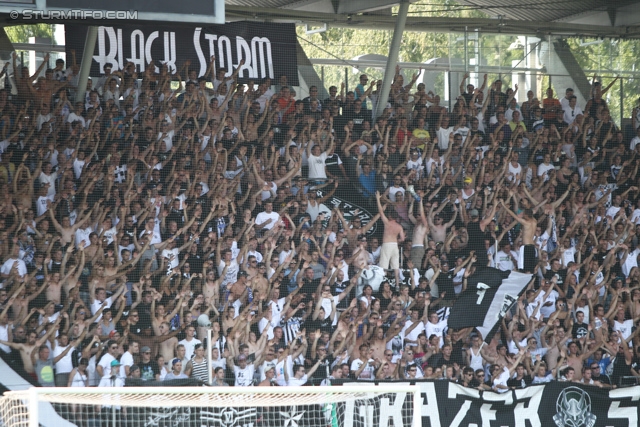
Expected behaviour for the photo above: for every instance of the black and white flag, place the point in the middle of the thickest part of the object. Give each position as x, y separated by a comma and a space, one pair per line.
490, 294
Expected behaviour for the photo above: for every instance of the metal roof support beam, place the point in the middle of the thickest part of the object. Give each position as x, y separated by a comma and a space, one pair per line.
433, 24
356, 6
394, 50
85, 65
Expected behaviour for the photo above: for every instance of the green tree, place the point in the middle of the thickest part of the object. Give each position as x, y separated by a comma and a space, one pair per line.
21, 33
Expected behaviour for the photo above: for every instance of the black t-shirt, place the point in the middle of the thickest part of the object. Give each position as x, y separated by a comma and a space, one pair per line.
331, 164
579, 330
309, 287
149, 370
561, 276
445, 284
519, 383
437, 360
338, 288
476, 242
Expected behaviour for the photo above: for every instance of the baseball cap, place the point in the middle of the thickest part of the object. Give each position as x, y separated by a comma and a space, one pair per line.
174, 361
145, 349
468, 180
115, 362
242, 273
134, 368
474, 212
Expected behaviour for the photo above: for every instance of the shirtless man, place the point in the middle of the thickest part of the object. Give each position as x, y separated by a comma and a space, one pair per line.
239, 288
527, 259
211, 286
32, 344
393, 232
159, 314
360, 258
170, 342
437, 225
354, 228
54, 285
420, 230
66, 230
158, 344
379, 341
20, 304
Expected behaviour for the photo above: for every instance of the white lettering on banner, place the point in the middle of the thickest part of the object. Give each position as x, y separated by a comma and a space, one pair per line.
487, 414
225, 54
196, 44
244, 51
482, 289
261, 47
103, 57
170, 54
256, 53
461, 414
147, 49
528, 411
430, 408
629, 413
137, 45
392, 411
366, 413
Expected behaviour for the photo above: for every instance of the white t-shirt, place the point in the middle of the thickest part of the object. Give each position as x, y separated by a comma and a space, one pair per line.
105, 362
625, 328
280, 367
317, 166
125, 360
95, 306
436, 329
189, 346
232, 273
244, 377
504, 261
544, 169
51, 180
8, 265
65, 364
443, 137
550, 309
295, 382
630, 262
43, 204
413, 335
263, 217
368, 373
393, 190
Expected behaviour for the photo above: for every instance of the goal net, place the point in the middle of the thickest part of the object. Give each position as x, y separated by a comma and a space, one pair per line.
361, 405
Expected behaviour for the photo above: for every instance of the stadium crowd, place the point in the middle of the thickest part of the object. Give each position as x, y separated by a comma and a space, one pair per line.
131, 220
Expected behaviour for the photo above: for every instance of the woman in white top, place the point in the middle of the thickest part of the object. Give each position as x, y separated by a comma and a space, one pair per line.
79, 376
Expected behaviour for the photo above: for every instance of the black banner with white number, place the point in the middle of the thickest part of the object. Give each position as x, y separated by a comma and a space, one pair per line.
269, 50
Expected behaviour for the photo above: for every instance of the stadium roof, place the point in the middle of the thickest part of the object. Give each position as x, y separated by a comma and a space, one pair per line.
586, 18
578, 18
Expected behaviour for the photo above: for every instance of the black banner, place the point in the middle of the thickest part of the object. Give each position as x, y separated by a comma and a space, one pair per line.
443, 404
269, 50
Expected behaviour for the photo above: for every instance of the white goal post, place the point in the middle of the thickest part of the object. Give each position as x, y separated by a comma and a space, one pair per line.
349, 405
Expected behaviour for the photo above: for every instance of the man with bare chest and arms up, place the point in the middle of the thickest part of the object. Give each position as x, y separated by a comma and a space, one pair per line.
527, 260
393, 232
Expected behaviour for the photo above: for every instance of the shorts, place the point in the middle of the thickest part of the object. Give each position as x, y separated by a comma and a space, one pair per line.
389, 256
527, 259
417, 254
